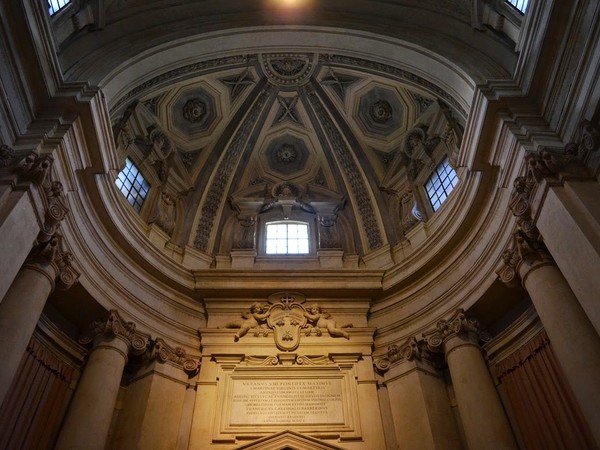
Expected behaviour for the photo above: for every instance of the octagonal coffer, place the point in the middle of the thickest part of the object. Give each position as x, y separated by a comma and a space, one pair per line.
287, 156
380, 112
194, 111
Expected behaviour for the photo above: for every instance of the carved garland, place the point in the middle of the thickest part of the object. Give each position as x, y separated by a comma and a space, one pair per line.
352, 172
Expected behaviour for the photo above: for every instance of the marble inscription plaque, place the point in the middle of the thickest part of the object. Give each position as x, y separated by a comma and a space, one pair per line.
287, 401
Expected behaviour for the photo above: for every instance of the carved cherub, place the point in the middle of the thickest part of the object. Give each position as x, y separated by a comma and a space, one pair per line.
257, 316
321, 319
417, 150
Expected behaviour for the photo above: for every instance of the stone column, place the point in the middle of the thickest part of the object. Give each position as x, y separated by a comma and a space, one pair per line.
22, 306
419, 403
89, 416
558, 199
483, 417
153, 407
574, 339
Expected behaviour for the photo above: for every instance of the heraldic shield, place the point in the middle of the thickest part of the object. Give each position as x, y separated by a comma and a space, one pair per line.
286, 320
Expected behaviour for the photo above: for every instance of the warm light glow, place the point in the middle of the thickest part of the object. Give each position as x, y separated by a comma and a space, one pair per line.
289, 4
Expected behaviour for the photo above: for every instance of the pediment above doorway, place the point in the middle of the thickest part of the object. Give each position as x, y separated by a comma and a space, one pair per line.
289, 440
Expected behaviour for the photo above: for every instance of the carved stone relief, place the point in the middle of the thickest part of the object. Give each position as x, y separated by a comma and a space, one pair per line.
417, 151
288, 69
287, 317
381, 111
329, 236
194, 110
48, 246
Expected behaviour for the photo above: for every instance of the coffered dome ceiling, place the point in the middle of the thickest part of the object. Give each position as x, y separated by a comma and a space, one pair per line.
335, 114
333, 130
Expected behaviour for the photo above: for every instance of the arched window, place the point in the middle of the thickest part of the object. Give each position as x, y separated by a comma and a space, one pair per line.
132, 185
439, 185
56, 5
287, 238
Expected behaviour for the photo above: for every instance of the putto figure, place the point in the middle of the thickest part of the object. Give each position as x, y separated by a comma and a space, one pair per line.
256, 317
320, 319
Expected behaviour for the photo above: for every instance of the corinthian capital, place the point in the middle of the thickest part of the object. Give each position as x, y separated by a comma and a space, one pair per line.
55, 263
554, 165
163, 353
116, 326
412, 350
525, 253
457, 324
37, 169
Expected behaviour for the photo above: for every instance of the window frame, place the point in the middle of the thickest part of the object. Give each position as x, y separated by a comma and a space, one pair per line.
276, 215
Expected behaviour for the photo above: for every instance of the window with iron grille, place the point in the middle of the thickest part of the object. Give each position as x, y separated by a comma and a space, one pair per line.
132, 185
55, 6
441, 182
520, 5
